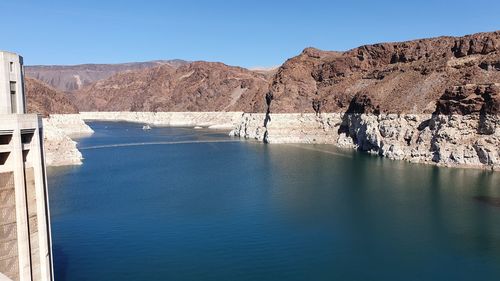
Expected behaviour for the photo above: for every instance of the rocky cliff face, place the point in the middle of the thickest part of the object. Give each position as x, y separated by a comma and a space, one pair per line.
58, 128
405, 77
198, 86
450, 140
445, 140
60, 149
45, 100
69, 78
432, 101
470, 99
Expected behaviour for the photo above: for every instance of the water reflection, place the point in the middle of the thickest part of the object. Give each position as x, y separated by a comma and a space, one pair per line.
249, 211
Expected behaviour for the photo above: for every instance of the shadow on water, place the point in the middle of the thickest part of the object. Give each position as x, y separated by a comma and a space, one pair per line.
492, 201
61, 263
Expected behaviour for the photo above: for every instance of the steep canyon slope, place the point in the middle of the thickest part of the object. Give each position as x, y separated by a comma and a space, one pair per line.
58, 128
197, 86
404, 77
69, 78
43, 99
431, 100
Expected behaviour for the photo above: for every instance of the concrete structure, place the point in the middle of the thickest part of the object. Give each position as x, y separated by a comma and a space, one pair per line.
25, 239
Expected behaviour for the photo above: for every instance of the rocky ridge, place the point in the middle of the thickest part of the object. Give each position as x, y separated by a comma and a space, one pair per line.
197, 86
58, 129
44, 100
431, 100
68, 78
404, 77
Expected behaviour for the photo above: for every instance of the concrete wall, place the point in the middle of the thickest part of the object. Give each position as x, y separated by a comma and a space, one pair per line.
25, 239
9, 262
11, 70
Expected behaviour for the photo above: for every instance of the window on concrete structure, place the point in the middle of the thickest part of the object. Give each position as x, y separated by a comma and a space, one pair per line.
26, 138
5, 139
3, 157
25, 154
11, 67
13, 98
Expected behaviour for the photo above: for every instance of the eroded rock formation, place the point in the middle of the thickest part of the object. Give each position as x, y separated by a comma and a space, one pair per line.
45, 100
61, 122
429, 100
432, 100
60, 148
198, 86
405, 77
68, 78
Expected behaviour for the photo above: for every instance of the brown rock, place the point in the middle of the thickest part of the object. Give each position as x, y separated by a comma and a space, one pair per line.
198, 86
405, 77
470, 99
68, 78
44, 100
420, 76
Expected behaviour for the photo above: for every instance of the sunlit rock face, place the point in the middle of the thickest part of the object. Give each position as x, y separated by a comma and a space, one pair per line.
428, 101
448, 140
402, 77
60, 149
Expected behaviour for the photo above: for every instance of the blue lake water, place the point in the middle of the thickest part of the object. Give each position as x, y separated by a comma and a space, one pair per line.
243, 210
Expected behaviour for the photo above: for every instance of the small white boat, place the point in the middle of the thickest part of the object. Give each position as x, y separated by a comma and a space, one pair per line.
146, 127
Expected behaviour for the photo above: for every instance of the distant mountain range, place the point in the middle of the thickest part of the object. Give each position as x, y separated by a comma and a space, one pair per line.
73, 77
44, 100
196, 86
444, 74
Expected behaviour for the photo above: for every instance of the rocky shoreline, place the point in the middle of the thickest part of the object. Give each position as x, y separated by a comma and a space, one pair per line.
445, 140
212, 120
59, 132
434, 100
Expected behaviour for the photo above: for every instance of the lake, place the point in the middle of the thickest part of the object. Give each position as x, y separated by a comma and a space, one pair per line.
185, 204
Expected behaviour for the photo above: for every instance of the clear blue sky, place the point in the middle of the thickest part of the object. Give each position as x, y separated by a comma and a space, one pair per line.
246, 33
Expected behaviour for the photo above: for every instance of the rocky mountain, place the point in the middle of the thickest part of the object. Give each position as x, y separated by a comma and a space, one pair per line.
45, 100
425, 101
444, 75
73, 77
431, 100
462, 73
197, 86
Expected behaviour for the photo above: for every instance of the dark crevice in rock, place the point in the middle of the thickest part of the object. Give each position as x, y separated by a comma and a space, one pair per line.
362, 103
317, 104
267, 119
470, 99
424, 124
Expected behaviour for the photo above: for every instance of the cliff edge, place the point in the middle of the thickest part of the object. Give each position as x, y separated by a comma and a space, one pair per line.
58, 128
431, 100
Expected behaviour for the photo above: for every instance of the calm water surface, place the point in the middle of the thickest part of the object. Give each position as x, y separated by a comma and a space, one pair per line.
249, 211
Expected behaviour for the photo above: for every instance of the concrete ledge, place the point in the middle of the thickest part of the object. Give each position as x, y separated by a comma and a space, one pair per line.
4, 278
